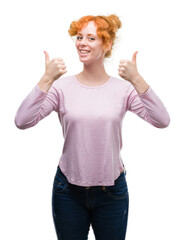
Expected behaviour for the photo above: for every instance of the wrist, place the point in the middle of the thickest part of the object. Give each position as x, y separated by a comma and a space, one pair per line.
45, 83
140, 84
46, 79
137, 79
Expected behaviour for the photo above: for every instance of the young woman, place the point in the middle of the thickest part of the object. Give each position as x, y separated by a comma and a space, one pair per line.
90, 184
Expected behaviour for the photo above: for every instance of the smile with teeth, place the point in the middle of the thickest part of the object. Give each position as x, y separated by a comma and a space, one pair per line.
84, 51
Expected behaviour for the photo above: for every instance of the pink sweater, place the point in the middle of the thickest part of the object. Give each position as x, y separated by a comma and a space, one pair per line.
91, 119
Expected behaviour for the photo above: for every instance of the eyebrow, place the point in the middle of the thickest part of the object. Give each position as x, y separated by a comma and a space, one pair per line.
88, 34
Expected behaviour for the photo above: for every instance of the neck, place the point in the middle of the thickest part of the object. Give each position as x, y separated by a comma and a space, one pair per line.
94, 72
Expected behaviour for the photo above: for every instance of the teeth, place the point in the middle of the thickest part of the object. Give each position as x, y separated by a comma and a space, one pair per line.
82, 51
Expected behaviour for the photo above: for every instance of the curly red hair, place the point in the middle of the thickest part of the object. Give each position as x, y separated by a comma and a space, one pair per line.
107, 27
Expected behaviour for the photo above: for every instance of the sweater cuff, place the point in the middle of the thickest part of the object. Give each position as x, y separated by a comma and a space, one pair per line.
39, 90
145, 94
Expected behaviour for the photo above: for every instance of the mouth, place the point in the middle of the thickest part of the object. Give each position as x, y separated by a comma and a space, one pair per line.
84, 52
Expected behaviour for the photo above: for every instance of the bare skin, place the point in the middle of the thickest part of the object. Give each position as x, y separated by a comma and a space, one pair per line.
93, 73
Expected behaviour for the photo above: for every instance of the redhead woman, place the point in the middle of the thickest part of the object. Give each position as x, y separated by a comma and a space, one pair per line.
90, 186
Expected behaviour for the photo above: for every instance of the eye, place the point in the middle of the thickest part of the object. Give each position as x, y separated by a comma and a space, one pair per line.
78, 37
92, 38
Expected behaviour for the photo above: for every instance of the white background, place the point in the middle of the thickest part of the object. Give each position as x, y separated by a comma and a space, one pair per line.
154, 158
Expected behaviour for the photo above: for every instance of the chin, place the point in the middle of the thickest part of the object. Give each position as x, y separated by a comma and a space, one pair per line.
89, 60
85, 60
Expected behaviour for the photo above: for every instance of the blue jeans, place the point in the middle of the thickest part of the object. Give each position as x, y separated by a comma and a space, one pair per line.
75, 207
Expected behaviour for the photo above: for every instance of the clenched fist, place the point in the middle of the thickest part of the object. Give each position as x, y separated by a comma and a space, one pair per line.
54, 68
128, 69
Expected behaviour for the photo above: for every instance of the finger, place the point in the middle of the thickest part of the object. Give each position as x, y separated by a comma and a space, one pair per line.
122, 67
120, 74
47, 60
61, 66
63, 71
123, 64
134, 57
59, 60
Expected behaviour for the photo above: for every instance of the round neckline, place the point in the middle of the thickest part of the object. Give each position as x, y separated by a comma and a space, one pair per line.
85, 86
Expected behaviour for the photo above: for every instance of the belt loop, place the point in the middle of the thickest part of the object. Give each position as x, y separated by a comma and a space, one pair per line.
103, 187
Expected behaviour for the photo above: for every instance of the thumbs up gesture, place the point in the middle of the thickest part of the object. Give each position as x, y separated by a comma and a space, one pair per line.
54, 68
128, 69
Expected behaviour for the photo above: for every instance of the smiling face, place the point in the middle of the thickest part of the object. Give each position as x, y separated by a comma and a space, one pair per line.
89, 45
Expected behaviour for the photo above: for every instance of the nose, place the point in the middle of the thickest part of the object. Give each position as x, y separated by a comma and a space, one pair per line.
83, 41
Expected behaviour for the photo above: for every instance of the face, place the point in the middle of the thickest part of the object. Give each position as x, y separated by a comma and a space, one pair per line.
89, 45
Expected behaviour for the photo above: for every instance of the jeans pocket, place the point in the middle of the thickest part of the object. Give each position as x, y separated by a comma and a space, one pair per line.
59, 183
119, 190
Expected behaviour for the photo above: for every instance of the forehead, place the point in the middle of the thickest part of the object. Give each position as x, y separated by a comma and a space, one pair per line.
88, 28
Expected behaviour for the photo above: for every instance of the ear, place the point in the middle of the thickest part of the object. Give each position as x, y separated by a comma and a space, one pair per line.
109, 47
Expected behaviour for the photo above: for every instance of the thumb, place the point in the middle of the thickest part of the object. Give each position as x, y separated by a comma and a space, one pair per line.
134, 57
47, 60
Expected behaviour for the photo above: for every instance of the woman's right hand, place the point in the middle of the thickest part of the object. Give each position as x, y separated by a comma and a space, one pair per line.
54, 68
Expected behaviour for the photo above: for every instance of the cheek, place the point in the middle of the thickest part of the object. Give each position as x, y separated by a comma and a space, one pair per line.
99, 50
77, 43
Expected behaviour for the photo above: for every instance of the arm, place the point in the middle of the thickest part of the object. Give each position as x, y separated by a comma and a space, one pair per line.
44, 98
139, 84
148, 106
36, 106
142, 100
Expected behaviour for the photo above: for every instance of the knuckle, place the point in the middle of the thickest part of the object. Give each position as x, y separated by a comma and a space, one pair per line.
60, 59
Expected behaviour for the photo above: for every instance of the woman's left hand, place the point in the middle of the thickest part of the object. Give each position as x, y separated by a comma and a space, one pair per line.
128, 69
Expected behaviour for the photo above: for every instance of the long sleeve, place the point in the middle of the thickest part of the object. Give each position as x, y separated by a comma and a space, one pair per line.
36, 106
91, 118
149, 107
